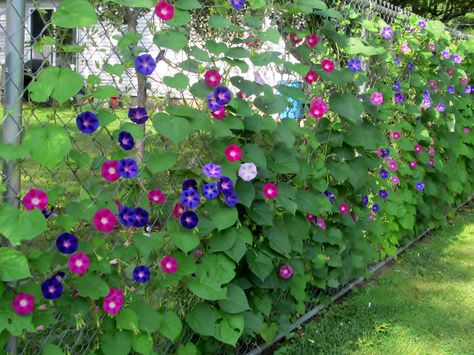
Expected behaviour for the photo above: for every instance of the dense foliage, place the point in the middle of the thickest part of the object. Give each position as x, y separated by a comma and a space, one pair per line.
210, 222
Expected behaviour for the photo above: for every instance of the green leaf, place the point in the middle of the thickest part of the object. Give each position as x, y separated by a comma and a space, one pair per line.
171, 39
261, 214
52, 349
223, 217
230, 328
187, 349
346, 105
223, 241
148, 319
179, 19
308, 202
13, 151
187, 4
55, 144
236, 301
216, 21
90, 285
119, 343
257, 4
160, 161
13, 265
245, 191
252, 153
237, 52
179, 81
133, 3
185, 241
74, 13
142, 344
59, 83
207, 289
278, 240
271, 104
202, 319
170, 325
174, 128
32, 224
260, 264
127, 319
115, 69
105, 92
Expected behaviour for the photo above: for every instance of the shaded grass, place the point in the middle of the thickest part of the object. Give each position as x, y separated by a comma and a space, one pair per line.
423, 305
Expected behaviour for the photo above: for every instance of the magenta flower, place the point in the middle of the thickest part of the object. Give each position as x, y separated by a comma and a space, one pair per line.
311, 77
270, 191
110, 171
321, 223
233, 152
79, 263
35, 198
327, 65
294, 38
156, 196
212, 78
139, 115
23, 303
169, 264
311, 218
318, 108
105, 220
396, 135
113, 302
418, 148
431, 151
376, 99
412, 164
178, 210
219, 114
466, 130
285, 271
312, 40
431, 47
145, 64
344, 208
394, 180
404, 48
164, 10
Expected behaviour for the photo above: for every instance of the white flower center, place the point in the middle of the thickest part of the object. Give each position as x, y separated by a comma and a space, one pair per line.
112, 304
169, 265
35, 201
111, 171
104, 220
23, 303
78, 263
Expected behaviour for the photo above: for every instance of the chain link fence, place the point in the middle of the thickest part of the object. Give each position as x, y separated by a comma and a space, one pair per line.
30, 43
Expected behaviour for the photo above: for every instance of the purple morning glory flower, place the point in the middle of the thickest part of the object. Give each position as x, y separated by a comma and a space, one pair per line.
231, 199
222, 95
386, 32
212, 170
126, 140
141, 217
237, 4
383, 193
383, 173
468, 89
190, 184
420, 186
354, 65
446, 54
67, 243
396, 61
141, 274
426, 94
127, 216
139, 115
225, 185
422, 24
411, 66
212, 103
87, 122
410, 29
426, 103
145, 64
210, 191
398, 98
190, 198
127, 168
440, 107
375, 208
365, 200
457, 59
397, 86
52, 288
385, 152
330, 196
189, 219
451, 89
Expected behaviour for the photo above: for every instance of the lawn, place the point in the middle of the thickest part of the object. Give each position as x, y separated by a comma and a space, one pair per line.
424, 304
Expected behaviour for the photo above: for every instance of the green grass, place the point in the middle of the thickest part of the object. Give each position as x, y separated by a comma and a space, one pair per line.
424, 304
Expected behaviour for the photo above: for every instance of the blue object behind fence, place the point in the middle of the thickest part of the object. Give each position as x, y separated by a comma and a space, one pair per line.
294, 110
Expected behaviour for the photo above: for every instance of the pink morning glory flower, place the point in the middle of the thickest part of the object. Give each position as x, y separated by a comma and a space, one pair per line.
318, 108
247, 171
327, 65
35, 198
169, 264
212, 78
156, 196
233, 152
164, 10
417, 148
394, 180
311, 77
219, 114
321, 223
178, 210
113, 302
110, 171
344, 208
376, 99
105, 220
285, 271
23, 303
396, 135
270, 191
412, 164
295, 39
79, 263
312, 40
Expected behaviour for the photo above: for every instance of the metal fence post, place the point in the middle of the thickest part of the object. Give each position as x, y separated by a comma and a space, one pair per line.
13, 98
